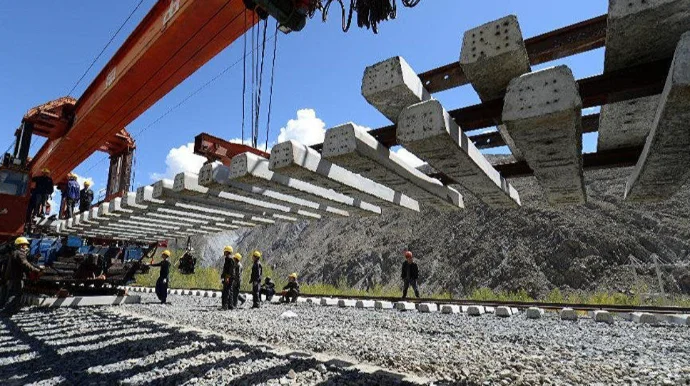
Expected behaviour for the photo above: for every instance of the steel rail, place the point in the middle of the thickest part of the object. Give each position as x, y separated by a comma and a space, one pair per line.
495, 303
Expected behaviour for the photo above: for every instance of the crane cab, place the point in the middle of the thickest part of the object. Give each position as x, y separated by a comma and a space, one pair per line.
14, 199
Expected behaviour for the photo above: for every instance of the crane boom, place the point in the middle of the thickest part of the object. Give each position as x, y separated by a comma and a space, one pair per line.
173, 40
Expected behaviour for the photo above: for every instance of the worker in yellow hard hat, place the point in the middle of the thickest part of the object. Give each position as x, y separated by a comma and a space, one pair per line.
16, 266
163, 277
236, 281
85, 197
71, 194
257, 274
226, 277
291, 290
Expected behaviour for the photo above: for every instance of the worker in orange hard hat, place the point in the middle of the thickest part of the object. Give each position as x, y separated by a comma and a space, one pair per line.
16, 266
163, 277
409, 275
40, 194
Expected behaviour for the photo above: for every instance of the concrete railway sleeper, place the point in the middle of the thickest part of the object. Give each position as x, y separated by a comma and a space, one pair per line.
532, 310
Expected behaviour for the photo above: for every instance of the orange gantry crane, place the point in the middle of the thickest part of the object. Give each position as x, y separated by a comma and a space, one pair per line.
173, 40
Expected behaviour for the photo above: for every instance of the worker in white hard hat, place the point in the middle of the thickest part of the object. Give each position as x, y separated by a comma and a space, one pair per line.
15, 268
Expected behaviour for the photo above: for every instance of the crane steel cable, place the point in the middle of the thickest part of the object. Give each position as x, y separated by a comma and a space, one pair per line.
12, 144
183, 101
132, 178
255, 133
244, 73
270, 91
105, 47
253, 75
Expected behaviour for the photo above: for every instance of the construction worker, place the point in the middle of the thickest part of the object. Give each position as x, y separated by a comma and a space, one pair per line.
71, 194
268, 289
257, 274
163, 277
85, 197
226, 277
40, 195
409, 275
291, 290
236, 279
16, 267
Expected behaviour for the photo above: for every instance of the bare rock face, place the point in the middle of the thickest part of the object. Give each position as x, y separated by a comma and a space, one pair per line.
535, 248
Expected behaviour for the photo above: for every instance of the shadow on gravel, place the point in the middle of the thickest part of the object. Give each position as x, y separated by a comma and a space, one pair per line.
114, 360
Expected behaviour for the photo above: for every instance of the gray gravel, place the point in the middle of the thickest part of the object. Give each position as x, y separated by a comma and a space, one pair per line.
456, 348
143, 344
103, 346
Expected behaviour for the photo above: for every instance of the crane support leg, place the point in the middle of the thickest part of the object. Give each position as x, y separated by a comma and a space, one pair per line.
119, 173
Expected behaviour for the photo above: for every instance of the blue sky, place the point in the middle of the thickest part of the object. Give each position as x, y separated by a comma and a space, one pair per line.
47, 45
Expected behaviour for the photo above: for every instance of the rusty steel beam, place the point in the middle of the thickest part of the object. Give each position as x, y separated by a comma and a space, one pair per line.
590, 124
218, 149
615, 86
590, 161
573, 39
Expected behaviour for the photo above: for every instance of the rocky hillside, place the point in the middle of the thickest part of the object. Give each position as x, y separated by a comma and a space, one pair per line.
535, 248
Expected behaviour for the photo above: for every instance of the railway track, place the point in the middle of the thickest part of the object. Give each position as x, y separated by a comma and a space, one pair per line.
616, 308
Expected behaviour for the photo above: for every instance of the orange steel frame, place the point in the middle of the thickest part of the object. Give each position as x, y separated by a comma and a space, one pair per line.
174, 39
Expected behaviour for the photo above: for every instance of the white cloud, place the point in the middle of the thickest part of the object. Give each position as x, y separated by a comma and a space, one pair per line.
307, 128
408, 157
180, 159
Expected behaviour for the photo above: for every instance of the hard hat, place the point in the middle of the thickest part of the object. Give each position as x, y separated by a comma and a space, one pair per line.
21, 241
227, 249
408, 254
166, 253
45, 170
87, 183
293, 275
256, 254
237, 256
